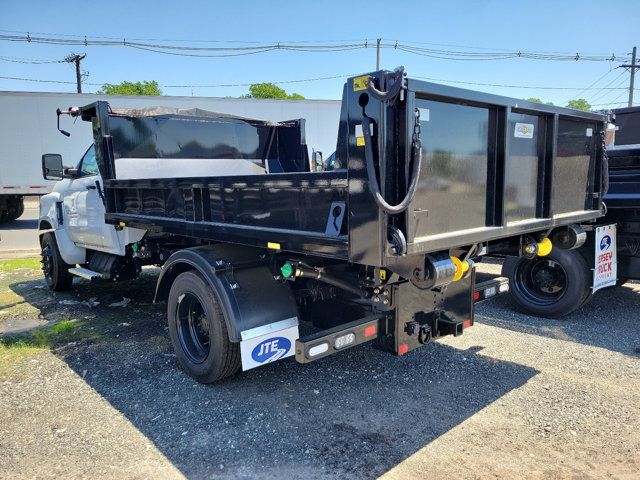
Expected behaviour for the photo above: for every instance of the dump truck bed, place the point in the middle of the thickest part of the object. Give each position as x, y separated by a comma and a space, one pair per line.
491, 167
624, 160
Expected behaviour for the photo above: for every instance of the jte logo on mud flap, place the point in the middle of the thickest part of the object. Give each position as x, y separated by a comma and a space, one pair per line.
605, 243
271, 349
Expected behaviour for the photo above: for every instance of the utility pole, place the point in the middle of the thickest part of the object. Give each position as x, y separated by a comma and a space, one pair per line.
378, 53
75, 58
633, 67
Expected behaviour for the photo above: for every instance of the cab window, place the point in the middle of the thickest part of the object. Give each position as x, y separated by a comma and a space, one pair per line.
88, 165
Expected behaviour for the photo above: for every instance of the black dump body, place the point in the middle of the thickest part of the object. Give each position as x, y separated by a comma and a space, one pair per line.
624, 160
491, 168
623, 197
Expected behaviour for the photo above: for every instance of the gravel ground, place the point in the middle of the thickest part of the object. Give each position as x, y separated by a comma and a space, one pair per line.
514, 397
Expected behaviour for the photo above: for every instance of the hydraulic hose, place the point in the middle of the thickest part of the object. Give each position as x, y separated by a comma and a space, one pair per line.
393, 91
374, 185
330, 279
605, 174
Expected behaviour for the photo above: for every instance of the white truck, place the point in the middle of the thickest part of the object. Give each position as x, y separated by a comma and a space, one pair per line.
29, 132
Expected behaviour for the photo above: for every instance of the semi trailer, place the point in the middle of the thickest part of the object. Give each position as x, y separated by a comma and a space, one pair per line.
28, 132
263, 258
565, 280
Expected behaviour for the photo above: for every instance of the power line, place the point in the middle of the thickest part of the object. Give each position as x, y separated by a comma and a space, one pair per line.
218, 85
535, 87
502, 55
591, 85
411, 42
597, 94
608, 103
331, 77
41, 81
245, 42
362, 43
607, 94
282, 82
226, 51
29, 60
613, 102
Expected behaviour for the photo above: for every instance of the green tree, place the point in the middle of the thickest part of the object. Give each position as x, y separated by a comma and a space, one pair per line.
269, 90
537, 100
131, 88
579, 104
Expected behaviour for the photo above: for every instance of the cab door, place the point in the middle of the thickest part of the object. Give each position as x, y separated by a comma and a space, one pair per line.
83, 205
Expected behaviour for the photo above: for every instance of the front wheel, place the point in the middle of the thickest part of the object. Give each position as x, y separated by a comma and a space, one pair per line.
198, 330
551, 286
56, 271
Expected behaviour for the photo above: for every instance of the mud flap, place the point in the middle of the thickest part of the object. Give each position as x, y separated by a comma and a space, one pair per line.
268, 343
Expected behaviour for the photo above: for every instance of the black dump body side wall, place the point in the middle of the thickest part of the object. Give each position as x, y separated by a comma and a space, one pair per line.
470, 183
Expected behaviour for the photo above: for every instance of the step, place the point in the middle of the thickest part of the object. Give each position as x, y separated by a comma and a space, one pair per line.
326, 342
85, 273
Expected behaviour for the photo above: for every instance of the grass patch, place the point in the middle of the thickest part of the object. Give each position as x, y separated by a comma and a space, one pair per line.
15, 263
15, 350
58, 334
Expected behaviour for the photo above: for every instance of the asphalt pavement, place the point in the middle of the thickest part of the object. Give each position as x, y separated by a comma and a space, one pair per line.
514, 397
20, 237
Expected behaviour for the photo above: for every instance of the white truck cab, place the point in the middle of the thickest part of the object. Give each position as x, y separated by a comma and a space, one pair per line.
73, 213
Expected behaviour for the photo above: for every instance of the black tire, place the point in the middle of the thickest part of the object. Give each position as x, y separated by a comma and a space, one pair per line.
15, 209
551, 286
56, 271
198, 330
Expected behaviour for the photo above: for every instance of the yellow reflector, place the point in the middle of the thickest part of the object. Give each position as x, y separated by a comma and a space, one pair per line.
122, 224
360, 141
383, 274
273, 246
544, 247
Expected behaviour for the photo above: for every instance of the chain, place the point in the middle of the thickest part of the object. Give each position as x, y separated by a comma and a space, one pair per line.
417, 130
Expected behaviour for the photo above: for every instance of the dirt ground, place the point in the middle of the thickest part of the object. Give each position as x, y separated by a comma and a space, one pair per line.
94, 391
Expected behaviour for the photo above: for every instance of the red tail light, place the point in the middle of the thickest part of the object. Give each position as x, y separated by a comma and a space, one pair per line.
370, 330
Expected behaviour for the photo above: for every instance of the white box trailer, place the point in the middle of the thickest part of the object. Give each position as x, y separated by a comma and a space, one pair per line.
28, 130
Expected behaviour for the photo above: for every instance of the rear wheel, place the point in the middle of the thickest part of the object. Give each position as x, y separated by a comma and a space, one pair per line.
198, 330
56, 271
551, 286
13, 211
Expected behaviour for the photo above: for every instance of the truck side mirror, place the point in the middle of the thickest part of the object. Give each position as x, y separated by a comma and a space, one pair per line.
52, 168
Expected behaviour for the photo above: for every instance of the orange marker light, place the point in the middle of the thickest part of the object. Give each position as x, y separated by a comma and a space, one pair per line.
402, 349
370, 330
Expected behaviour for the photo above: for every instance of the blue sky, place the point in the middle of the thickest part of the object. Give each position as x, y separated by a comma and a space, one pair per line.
585, 26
